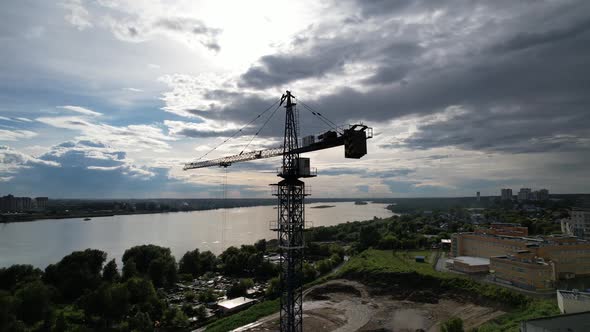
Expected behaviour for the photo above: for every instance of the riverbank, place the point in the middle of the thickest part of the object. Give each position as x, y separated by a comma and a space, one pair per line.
72, 209
26, 217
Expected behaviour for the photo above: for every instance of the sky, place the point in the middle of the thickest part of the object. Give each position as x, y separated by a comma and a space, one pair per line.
108, 99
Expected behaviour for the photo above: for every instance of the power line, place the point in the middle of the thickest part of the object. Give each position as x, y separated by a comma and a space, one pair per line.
319, 115
259, 130
239, 130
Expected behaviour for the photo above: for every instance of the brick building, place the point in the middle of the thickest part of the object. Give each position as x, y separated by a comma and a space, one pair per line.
516, 257
523, 270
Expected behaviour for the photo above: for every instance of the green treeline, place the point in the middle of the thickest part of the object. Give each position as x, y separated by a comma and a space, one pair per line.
84, 292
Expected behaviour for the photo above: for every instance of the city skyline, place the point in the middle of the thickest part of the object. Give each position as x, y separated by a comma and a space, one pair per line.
108, 99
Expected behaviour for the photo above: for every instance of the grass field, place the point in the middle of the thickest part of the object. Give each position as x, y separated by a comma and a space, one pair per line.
387, 261
247, 316
381, 266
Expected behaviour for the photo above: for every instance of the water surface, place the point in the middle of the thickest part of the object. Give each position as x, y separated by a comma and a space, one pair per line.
43, 242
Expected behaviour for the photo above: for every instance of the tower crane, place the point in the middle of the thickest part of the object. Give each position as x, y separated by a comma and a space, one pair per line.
290, 192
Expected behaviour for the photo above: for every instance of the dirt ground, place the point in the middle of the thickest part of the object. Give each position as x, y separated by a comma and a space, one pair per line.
344, 305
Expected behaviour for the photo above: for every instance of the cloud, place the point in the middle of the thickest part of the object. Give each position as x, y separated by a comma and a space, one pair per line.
182, 29
24, 119
206, 128
77, 14
527, 40
81, 110
133, 137
11, 161
15, 135
71, 168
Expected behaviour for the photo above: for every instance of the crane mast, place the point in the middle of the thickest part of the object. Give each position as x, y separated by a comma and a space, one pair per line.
291, 193
291, 223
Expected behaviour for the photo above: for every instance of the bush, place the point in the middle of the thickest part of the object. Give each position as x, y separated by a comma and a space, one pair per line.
239, 288
454, 324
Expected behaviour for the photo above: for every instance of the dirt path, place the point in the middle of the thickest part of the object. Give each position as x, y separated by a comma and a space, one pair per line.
346, 306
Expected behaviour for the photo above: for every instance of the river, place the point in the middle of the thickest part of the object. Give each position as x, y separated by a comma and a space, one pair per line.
44, 242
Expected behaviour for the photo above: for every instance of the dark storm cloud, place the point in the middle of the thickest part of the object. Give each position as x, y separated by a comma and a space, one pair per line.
532, 39
321, 56
524, 84
364, 173
386, 75
276, 70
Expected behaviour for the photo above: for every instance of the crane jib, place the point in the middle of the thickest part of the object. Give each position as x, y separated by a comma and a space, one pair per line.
353, 139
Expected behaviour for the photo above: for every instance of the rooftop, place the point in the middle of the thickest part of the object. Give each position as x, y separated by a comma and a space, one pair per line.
526, 260
470, 260
574, 295
577, 322
234, 303
551, 240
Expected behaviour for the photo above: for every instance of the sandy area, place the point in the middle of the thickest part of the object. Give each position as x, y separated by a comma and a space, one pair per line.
344, 305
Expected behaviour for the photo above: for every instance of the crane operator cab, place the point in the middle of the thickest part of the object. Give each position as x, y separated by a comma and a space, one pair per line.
355, 140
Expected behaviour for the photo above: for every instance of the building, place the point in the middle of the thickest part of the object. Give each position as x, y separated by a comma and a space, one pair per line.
10, 203
524, 194
578, 224
570, 255
523, 269
234, 305
543, 195
579, 322
41, 202
470, 265
574, 301
504, 229
506, 194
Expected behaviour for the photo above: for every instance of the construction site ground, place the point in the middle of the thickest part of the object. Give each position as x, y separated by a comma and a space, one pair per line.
344, 305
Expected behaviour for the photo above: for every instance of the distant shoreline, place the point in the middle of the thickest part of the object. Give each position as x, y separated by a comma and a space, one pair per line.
24, 217
322, 207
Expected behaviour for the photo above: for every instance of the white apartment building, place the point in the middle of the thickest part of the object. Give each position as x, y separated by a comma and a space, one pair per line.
578, 224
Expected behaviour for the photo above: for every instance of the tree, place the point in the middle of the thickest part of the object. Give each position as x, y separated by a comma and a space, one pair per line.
76, 273
208, 261
154, 262
309, 272
32, 302
7, 309
190, 263
201, 313
389, 242
142, 295
141, 322
369, 236
454, 324
10, 277
207, 296
110, 302
130, 270
260, 246
239, 288
274, 288
175, 319
324, 266
110, 272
